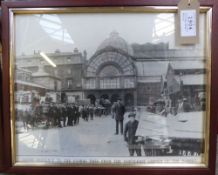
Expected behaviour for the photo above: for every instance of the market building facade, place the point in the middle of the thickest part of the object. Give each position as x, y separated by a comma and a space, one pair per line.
134, 73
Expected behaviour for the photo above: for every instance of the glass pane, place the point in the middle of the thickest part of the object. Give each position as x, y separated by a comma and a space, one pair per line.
109, 88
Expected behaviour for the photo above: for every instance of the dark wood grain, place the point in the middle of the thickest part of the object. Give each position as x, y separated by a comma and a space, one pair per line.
88, 3
216, 157
1, 122
1, 114
214, 92
5, 89
99, 171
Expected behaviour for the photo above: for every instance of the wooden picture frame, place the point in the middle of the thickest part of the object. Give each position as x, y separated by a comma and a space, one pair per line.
1, 131
1, 120
1, 114
10, 43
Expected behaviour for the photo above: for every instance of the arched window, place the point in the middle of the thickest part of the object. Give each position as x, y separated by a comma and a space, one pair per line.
109, 77
109, 71
104, 58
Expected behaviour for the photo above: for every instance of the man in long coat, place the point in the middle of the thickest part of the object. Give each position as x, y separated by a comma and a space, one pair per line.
74, 114
57, 115
64, 114
69, 115
119, 116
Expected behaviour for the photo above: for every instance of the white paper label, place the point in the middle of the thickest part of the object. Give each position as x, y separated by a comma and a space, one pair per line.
188, 23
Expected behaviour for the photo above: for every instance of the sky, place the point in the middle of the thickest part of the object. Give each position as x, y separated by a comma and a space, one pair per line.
86, 31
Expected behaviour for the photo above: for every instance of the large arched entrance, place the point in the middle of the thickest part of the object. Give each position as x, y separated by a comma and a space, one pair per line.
129, 99
92, 98
111, 72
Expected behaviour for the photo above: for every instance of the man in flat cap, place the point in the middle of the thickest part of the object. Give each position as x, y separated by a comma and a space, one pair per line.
129, 135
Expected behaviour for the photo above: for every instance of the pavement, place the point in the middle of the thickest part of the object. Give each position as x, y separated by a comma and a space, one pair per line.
94, 138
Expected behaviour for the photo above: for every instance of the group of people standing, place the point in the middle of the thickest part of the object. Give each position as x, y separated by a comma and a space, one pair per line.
56, 115
69, 114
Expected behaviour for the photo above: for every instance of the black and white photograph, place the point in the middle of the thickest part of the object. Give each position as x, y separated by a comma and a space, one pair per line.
108, 88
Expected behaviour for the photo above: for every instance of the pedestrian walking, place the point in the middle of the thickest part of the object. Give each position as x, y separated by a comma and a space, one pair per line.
74, 114
84, 113
119, 116
69, 115
64, 114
